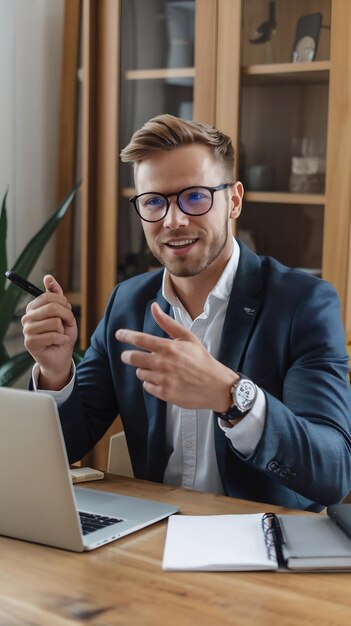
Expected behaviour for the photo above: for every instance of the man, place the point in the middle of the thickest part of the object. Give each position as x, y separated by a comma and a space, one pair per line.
229, 370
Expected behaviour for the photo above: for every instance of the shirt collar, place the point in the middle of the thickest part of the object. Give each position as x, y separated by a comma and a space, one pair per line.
222, 288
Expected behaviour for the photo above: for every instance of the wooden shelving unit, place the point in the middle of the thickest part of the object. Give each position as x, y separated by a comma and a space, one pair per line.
279, 197
280, 73
220, 75
160, 73
127, 192
320, 89
279, 101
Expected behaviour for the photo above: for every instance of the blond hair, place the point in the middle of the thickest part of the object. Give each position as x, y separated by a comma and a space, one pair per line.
166, 132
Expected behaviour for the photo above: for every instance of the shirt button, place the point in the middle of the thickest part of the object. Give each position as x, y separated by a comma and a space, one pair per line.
188, 444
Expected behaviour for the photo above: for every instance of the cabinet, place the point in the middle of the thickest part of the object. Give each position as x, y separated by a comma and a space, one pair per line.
282, 139
157, 75
281, 102
140, 58
132, 70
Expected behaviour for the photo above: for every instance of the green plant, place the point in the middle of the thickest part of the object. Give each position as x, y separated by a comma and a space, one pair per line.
11, 367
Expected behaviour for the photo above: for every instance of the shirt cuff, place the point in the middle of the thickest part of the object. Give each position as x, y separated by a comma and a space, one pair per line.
246, 434
59, 396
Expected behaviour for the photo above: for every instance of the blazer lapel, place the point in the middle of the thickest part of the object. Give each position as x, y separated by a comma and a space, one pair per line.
243, 307
155, 408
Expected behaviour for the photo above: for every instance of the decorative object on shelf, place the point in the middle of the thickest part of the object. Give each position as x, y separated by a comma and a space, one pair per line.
267, 29
307, 166
259, 177
306, 38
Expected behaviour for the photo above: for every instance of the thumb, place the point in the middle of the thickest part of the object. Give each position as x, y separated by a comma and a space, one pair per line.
51, 284
169, 325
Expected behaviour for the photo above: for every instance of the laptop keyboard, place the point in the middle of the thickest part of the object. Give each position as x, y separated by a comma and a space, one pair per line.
92, 521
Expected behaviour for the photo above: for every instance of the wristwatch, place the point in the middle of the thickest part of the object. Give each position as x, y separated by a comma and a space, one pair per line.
244, 393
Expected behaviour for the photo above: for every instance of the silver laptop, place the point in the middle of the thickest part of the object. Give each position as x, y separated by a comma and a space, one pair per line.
38, 500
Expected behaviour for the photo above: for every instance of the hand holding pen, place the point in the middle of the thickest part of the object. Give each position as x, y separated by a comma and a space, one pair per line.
50, 331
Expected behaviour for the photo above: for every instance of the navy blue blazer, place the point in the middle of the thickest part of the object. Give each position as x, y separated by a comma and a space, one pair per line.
282, 329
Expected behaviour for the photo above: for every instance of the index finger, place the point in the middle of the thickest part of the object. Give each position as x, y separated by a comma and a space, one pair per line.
141, 340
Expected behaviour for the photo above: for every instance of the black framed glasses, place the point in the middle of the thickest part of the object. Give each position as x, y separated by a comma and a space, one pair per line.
153, 207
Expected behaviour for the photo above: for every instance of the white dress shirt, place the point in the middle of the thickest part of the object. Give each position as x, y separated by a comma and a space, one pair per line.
189, 433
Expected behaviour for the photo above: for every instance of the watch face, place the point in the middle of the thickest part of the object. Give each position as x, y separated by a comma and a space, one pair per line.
245, 394
304, 50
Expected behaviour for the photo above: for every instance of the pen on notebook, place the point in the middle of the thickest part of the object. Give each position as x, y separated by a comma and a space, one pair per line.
23, 283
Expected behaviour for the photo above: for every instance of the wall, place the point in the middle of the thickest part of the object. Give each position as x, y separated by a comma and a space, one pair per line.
31, 33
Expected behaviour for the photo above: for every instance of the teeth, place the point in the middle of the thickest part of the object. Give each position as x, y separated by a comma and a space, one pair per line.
185, 242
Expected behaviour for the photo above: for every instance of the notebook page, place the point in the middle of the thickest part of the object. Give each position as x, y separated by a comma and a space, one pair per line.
216, 543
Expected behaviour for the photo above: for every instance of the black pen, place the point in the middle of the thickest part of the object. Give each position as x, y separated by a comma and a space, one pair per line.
24, 284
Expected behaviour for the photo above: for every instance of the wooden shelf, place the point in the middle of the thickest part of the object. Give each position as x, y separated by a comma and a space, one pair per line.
127, 192
281, 73
284, 197
160, 73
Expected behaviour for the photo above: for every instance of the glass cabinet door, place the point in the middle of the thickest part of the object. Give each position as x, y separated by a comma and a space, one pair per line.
283, 128
157, 76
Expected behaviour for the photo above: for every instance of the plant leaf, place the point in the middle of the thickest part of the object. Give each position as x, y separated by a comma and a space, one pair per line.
14, 368
26, 261
34, 248
3, 252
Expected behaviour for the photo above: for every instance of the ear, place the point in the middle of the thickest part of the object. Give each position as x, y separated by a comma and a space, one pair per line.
236, 200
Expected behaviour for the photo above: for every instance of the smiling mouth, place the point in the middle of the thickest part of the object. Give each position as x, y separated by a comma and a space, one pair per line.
183, 243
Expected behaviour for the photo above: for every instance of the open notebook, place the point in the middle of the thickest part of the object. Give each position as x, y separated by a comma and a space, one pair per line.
262, 541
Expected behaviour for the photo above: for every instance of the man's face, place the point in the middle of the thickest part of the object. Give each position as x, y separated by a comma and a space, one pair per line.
187, 245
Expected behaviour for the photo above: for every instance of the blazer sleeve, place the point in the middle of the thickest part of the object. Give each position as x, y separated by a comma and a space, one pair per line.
306, 442
92, 406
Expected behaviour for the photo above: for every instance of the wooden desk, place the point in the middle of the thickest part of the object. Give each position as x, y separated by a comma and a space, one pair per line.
122, 583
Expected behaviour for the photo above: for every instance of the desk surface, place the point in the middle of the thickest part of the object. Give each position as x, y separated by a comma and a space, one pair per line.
122, 583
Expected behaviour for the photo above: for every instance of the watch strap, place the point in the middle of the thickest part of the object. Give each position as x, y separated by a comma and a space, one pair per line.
234, 412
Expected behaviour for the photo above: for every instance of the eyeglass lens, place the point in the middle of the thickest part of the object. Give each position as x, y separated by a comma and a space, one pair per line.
194, 201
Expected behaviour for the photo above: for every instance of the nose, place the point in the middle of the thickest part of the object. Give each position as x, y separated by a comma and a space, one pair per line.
175, 217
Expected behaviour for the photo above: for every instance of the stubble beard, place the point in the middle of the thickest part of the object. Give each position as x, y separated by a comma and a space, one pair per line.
182, 267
